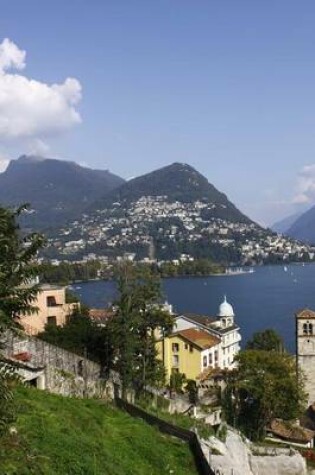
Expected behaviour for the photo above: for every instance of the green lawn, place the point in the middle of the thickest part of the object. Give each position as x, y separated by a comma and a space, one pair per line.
63, 436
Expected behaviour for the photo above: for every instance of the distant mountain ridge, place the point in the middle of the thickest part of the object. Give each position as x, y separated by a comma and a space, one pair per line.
282, 226
303, 227
57, 190
176, 182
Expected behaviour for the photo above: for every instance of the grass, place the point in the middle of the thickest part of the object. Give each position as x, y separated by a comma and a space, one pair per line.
64, 436
186, 422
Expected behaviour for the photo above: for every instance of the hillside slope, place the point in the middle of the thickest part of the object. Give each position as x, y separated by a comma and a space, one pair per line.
303, 227
56, 190
64, 436
284, 224
176, 182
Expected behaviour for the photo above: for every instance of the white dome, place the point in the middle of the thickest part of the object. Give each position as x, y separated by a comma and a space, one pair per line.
226, 309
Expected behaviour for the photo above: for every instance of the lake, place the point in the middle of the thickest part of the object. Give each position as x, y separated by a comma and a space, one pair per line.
267, 298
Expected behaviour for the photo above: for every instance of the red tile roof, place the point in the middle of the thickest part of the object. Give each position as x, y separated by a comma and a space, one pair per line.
200, 338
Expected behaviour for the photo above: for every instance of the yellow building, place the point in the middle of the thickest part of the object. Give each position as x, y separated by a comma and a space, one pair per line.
188, 351
52, 309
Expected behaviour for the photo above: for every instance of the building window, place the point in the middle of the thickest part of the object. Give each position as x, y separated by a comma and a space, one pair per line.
307, 328
175, 347
216, 356
205, 361
51, 301
175, 360
210, 359
52, 321
186, 346
191, 349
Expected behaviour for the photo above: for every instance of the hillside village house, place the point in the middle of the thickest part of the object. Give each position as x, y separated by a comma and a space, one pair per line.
52, 309
199, 343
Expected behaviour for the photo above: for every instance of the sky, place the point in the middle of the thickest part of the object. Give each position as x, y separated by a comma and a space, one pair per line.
133, 85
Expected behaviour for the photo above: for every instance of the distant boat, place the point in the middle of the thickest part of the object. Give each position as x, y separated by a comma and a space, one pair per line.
285, 269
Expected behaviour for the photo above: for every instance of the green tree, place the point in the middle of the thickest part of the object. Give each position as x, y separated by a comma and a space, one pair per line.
192, 389
138, 316
267, 340
82, 336
264, 386
176, 382
17, 292
18, 268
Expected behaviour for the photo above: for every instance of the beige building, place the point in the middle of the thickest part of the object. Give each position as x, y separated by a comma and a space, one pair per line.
305, 349
52, 309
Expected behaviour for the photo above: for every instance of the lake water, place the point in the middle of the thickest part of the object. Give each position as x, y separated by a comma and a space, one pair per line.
267, 298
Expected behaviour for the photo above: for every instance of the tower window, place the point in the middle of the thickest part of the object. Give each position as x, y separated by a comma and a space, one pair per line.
307, 328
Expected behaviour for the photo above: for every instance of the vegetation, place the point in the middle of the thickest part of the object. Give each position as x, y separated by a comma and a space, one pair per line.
198, 267
83, 337
58, 436
66, 272
17, 268
267, 340
158, 406
138, 316
264, 386
17, 293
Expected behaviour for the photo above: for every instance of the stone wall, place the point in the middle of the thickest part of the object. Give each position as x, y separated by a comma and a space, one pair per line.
306, 364
61, 371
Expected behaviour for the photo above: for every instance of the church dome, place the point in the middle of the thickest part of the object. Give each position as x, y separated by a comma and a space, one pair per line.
226, 309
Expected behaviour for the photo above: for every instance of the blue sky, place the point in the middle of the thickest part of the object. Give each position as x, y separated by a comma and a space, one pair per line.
226, 86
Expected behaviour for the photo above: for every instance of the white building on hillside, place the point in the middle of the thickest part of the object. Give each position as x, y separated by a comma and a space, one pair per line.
223, 327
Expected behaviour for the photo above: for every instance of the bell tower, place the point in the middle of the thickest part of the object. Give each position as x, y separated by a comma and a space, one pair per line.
305, 349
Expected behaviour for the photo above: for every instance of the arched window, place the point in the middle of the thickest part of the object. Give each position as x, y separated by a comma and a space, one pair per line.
304, 328
310, 328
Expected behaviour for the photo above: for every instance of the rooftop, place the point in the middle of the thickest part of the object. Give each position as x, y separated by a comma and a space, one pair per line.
290, 431
305, 313
198, 337
100, 315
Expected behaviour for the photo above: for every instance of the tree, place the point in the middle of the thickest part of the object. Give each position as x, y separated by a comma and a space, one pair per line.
265, 386
138, 316
82, 336
18, 269
17, 292
192, 389
267, 340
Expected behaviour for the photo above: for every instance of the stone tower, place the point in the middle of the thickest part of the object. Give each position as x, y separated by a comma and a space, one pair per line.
305, 349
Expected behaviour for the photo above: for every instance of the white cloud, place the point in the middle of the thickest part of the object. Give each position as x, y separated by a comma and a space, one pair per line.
4, 162
11, 56
30, 108
38, 147
305, 189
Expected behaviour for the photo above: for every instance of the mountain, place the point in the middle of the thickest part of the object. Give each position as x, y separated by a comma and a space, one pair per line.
177, 182
304, 227
285, 224
57, 190
173, 213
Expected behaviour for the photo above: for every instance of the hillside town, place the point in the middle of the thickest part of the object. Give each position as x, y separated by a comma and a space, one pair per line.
152, 228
